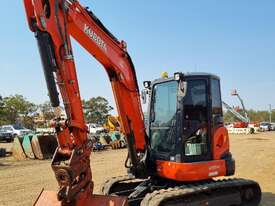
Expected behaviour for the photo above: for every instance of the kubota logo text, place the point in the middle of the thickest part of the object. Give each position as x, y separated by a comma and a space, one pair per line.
92, 35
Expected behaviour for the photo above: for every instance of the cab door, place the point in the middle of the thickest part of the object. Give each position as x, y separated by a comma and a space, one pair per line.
163, 119
196, 131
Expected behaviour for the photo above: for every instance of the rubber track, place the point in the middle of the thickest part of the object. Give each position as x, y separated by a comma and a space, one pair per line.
106, 186
157, 197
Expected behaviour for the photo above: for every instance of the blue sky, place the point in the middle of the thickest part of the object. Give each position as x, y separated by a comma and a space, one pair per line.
233, 39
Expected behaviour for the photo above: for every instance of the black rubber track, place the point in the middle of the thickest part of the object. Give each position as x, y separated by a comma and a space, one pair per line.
228, 192
246, 192
106, 187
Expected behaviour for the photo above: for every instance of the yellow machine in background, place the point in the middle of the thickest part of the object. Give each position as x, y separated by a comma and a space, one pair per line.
113, 123
116, 137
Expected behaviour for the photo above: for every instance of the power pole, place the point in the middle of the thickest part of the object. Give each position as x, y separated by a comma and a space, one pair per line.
270, 113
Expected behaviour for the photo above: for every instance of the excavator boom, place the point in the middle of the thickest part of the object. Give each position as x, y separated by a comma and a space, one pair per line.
54, 22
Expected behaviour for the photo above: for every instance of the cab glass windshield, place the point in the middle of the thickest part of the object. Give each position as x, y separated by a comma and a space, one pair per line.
163, 113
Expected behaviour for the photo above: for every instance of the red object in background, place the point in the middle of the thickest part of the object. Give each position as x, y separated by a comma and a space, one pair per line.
255, 124
237, 109
240, 124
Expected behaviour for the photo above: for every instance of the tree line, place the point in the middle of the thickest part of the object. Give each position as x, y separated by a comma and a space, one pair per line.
16, 109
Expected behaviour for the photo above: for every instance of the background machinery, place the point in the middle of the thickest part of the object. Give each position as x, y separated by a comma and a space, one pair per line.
244, 125
235, 93
112, 123
171, 162
114, 137
235, 113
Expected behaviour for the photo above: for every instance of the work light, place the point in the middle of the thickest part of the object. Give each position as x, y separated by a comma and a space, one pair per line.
147, 84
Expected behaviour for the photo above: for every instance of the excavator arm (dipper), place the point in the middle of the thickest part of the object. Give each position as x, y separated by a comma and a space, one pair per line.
53, 22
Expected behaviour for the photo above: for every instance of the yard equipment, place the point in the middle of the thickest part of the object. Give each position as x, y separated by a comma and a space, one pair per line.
112, 123
117, 140
34, 146
26, 144
17, 149
184, 148
113, 127
235, 93
43, 145
244, 126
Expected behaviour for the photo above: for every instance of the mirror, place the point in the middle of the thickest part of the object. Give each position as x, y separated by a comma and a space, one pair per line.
144, 96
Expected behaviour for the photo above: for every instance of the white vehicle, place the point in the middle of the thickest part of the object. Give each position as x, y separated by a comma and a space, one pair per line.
95, 129
272, 126
265, 126
16, 130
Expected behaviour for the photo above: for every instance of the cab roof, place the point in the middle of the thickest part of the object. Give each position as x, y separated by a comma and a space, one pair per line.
188, 75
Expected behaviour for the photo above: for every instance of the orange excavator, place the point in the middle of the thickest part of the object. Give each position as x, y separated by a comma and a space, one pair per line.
172, 161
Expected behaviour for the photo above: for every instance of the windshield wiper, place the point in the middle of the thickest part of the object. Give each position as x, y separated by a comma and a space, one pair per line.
172, 131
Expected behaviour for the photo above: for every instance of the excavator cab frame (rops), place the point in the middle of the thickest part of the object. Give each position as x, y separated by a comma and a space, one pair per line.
186, 119
156, 177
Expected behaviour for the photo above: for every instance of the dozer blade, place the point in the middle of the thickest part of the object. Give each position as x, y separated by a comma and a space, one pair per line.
27, 146
50, 198
17, 149
43, 146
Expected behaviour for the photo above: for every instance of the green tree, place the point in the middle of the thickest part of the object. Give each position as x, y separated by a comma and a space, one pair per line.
47, 110
2, 113
96, 110
16, 109
273, 116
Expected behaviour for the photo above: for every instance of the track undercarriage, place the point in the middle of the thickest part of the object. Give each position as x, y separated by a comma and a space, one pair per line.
157, 192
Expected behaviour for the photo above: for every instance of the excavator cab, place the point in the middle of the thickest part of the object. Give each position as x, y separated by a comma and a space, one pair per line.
181, 116
184, 113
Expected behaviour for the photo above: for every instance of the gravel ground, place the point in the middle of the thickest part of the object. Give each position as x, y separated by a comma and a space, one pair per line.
22, 181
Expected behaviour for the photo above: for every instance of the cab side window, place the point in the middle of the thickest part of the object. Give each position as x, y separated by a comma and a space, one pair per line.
217, 116
195, 103
216, 97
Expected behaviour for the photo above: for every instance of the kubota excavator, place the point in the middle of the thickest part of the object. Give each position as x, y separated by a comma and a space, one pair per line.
172, 161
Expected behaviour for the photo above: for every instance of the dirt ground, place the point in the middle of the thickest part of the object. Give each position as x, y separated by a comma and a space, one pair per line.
22, 181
